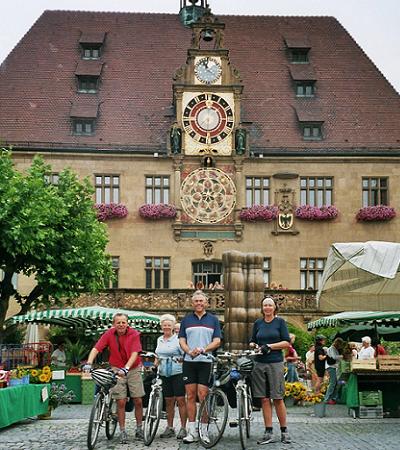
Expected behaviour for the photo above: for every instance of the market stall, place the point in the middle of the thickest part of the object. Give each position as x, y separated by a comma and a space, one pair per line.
372, 385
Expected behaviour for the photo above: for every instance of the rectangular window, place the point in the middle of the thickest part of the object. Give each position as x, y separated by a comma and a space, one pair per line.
107, 188
312, 132
305, 89
311, 270
83, 127
299, 55
267, 271
157, 269
375, 191
88, 84
157, 189
91, 51
316, 191
257, 191
52, 178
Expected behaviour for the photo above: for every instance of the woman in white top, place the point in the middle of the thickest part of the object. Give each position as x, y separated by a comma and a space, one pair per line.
169, 353
366, 352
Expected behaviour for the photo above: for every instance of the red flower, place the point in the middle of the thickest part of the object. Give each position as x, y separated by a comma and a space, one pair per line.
307, 212
259, 212
375, 213
107, 211
156, 212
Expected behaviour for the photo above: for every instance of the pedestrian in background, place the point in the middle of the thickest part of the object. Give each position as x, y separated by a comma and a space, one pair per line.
333, 357
291, 361
319, 360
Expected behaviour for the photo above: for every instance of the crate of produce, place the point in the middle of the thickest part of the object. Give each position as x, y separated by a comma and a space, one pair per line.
358, 365
371, 412
370, 398
389, 362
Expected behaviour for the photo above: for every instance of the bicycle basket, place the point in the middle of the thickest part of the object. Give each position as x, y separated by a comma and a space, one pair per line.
245, 365
104, 377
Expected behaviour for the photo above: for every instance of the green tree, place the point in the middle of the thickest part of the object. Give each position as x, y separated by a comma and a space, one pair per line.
49, 232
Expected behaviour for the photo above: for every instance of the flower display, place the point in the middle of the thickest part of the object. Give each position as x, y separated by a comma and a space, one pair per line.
59, 395
307, 212
107, 211
38, 376
259, 212
157, 211
312, 397
375, 213
296, 390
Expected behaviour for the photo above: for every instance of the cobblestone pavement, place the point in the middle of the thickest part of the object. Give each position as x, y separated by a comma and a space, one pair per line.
338, 431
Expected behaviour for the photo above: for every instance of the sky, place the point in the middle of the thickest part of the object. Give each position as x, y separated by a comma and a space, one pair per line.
374, 24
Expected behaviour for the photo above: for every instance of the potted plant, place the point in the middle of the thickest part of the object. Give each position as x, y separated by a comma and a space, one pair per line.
378, 213
307, 212
259, 213
75, 353
58, 395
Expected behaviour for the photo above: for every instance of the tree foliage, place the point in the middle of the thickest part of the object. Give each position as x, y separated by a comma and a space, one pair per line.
49, 232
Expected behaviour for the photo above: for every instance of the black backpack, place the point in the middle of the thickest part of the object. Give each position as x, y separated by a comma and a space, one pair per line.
331, 361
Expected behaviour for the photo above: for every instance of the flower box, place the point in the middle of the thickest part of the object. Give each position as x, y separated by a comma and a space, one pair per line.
106, 211
157, 211
259, 213
377, 213
307, 212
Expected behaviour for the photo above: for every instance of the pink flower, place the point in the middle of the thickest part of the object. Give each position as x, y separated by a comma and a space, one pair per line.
157, 212
107, 211
259, 212
307, 212
375, 213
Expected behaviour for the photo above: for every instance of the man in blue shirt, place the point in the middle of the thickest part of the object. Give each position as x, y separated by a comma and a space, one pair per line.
200, 333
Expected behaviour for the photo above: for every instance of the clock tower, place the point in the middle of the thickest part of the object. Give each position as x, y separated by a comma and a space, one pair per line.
207, 92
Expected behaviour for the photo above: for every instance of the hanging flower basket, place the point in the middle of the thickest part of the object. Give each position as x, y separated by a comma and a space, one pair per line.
307, 212
377, 213
157, 212
106, 211
259, 213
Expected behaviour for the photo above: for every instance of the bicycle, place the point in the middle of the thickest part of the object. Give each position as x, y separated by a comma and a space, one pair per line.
104, 409
213, 411
154, 408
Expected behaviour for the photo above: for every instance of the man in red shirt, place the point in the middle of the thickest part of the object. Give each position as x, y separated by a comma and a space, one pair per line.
124, 346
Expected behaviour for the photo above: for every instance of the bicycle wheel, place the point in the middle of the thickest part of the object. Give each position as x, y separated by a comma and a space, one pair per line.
213, 414
243, 419
111, 419
152, 416
95, 420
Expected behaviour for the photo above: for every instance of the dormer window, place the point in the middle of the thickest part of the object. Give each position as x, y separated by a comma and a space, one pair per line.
312, 131
299, 55
83, 127
91, 45
91, 51
88, 84
305, 88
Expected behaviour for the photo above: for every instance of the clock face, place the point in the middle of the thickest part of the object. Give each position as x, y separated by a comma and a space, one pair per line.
208, 70
208, 118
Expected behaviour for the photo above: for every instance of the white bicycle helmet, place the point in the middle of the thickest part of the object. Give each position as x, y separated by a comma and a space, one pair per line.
245, 365
104, 377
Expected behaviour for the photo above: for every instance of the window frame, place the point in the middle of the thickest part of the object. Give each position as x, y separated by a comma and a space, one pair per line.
164, 189
299, 55
157, 277
305, 85
207, 277
316, 189
379, 190
91, 48
83, 123
267, 271
312, 126
52, 178
308, 273
113, 187
90, 80
262, 189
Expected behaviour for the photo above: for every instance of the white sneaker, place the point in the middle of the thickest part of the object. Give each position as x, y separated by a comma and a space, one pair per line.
190, 438
205, 437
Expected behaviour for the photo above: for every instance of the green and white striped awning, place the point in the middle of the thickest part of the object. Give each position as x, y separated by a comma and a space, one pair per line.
389, 318
93, 318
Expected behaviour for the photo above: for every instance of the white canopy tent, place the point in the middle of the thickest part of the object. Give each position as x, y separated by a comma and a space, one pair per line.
361, 276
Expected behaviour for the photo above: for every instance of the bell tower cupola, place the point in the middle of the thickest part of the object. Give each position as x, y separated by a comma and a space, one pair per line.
191, 11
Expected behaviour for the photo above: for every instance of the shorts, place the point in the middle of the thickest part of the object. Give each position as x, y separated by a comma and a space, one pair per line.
197, 373
133, 380
268, 380
173, 386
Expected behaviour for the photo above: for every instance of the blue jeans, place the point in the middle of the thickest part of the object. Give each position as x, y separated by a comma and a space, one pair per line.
331, 393
292, 375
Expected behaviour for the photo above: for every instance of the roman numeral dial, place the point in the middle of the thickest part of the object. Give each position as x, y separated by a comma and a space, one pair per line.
208, 118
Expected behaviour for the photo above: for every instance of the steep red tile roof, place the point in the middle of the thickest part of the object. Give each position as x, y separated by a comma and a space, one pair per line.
141, 54
88, 68
302, 72
93, 37
85, 108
